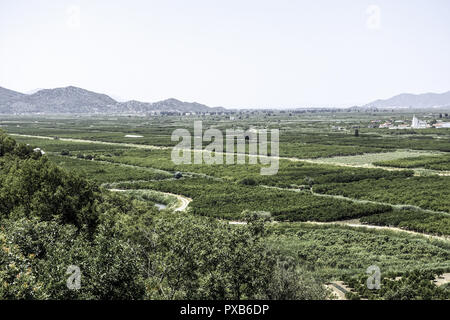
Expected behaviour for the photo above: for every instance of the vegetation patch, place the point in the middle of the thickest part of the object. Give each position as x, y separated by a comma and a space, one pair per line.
431, 192
436, 162
414, 220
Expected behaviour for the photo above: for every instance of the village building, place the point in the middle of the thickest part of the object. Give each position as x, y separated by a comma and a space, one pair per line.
440, 125
418, 124
385, 125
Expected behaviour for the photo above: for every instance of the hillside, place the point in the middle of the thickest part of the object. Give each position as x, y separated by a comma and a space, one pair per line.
77, 100
8, 96
416, 101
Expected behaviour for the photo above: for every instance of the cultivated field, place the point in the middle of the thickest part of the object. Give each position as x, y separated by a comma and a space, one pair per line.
383, 178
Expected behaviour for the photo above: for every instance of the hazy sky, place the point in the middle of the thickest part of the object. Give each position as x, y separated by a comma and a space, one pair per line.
231, 53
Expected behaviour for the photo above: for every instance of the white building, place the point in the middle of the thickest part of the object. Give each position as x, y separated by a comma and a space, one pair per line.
442, 125
418, 124
385, 125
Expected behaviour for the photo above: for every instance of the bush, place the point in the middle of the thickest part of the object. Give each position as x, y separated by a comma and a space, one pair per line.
248, 182
38, 188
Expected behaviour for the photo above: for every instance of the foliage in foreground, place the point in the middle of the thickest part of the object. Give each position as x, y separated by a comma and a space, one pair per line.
51, 219
414, 285
176, 256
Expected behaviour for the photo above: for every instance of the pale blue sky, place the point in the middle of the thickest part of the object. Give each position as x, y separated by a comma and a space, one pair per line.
231, 53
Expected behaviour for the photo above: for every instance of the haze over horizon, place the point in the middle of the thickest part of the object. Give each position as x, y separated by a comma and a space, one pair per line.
233, 54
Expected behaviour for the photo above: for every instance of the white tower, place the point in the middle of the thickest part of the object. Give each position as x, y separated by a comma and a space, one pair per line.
415, 122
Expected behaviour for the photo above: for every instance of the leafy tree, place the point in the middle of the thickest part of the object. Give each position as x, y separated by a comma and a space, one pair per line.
7, 144
109, 266
39, 188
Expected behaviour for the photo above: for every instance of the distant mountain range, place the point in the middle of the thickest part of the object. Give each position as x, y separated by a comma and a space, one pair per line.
414, 101
6, 96
77, 100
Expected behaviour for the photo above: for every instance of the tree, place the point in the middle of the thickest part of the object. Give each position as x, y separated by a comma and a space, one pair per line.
39, 188
7, 144
109, 266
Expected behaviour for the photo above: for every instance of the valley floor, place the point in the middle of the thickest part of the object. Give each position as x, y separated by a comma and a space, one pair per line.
333, 215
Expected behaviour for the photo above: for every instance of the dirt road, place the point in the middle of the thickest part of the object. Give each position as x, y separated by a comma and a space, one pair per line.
369, 226
183, 202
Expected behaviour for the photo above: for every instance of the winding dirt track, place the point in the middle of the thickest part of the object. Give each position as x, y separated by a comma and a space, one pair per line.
369, 226
183, 202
